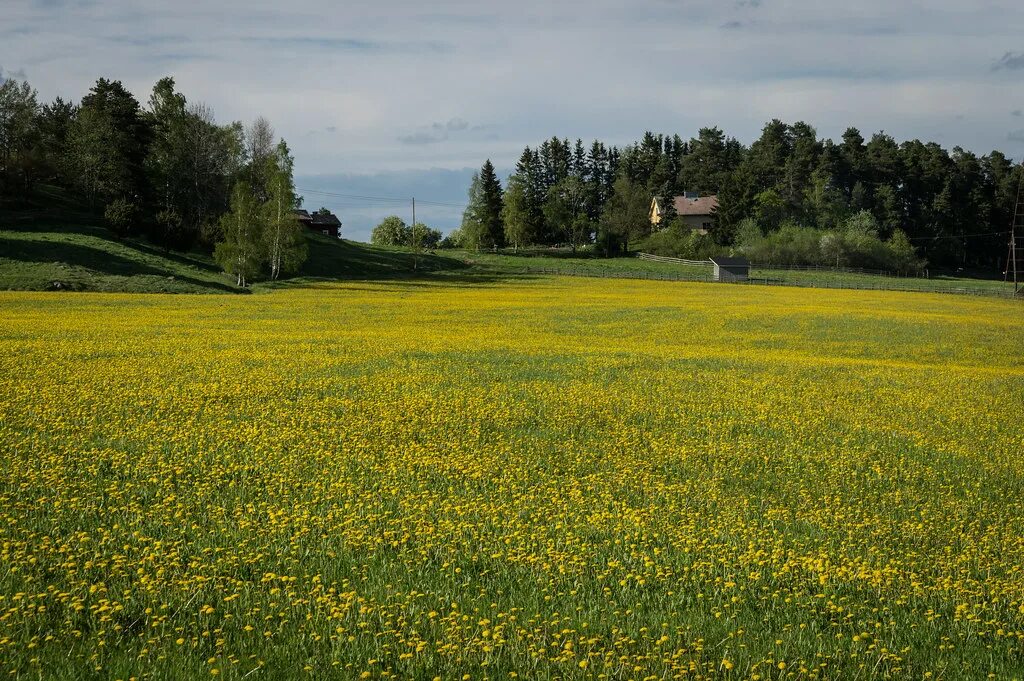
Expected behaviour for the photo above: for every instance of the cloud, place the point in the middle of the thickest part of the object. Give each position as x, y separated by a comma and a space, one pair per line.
423, 137
435, 132
1016, 136
335, 44
1017, 112
1011, 61
12, 75
391, 76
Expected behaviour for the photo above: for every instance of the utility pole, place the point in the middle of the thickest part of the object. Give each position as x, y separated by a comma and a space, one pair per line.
1016, 225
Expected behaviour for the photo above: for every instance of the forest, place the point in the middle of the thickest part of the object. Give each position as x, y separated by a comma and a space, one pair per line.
791, 193
170, 172
167, 171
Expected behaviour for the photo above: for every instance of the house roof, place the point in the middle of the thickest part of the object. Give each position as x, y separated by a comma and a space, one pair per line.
730, 262
329, 220
704, 205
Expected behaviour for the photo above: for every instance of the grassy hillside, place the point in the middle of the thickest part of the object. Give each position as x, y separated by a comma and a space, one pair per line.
56, 245
559, 262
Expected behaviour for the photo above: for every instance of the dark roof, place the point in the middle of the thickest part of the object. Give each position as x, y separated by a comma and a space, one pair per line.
730, 262
704, 205
330, 219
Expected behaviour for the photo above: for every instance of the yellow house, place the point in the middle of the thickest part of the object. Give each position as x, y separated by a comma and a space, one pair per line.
696, 212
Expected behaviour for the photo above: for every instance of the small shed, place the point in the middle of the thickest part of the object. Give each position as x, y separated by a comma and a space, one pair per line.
731, 269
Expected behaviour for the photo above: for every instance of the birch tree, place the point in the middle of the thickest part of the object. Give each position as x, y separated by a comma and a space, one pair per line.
239, 251
283, 241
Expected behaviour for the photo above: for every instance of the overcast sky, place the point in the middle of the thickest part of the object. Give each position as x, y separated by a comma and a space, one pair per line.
394, 98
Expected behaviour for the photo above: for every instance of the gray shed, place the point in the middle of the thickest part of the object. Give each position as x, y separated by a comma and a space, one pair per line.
731, 269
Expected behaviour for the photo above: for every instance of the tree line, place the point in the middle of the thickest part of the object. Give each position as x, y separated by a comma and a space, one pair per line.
952, 208
167, 171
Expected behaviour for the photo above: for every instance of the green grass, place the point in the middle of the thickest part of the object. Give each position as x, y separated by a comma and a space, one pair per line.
57, 245
558, 262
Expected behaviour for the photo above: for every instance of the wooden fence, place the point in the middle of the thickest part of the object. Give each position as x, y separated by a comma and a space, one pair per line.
678, 261
693, 275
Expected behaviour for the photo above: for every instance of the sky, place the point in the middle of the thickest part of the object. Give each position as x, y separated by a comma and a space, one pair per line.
399, 98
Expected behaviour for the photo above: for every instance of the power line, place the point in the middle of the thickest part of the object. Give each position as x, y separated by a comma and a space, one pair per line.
390, 199
956, 236
353, 196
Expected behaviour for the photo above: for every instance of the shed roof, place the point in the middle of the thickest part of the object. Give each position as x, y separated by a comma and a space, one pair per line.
703, 205
730, 262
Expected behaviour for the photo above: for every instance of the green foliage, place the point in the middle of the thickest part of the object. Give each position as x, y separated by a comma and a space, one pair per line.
565, 212
121, 215
109, 143
18, 132
239, 254
855, 244
680, 241
769, 209
489, 208
282, 238
515, 213
474, 229
392, 231
453, 239
626, 216
423, 237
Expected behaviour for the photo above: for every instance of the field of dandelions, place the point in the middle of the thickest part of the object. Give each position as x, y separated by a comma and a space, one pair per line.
546, 479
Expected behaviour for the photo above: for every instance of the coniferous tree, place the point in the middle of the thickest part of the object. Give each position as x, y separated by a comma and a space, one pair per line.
490, 207
474, 230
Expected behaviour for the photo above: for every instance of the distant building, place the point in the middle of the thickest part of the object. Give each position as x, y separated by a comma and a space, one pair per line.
325, 223
694, 210
731, 269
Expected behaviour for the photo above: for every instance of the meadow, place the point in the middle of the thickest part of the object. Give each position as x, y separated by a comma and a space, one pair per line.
473, 478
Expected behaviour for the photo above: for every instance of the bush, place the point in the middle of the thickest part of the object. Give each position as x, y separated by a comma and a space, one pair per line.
854, 244
679, 241
452, 240
790, 245
120, 215
392, 231
423, 236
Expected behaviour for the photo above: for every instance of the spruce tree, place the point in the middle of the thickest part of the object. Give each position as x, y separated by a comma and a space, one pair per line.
473, 230
490, 206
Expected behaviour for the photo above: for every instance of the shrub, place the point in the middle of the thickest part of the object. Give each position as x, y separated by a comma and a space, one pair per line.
854, 244
120, 215
679, 241
392, 231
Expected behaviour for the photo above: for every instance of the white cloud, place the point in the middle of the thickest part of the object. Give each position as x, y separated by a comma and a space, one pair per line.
396, 84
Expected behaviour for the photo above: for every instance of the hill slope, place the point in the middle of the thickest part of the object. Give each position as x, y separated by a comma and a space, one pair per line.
60, 247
